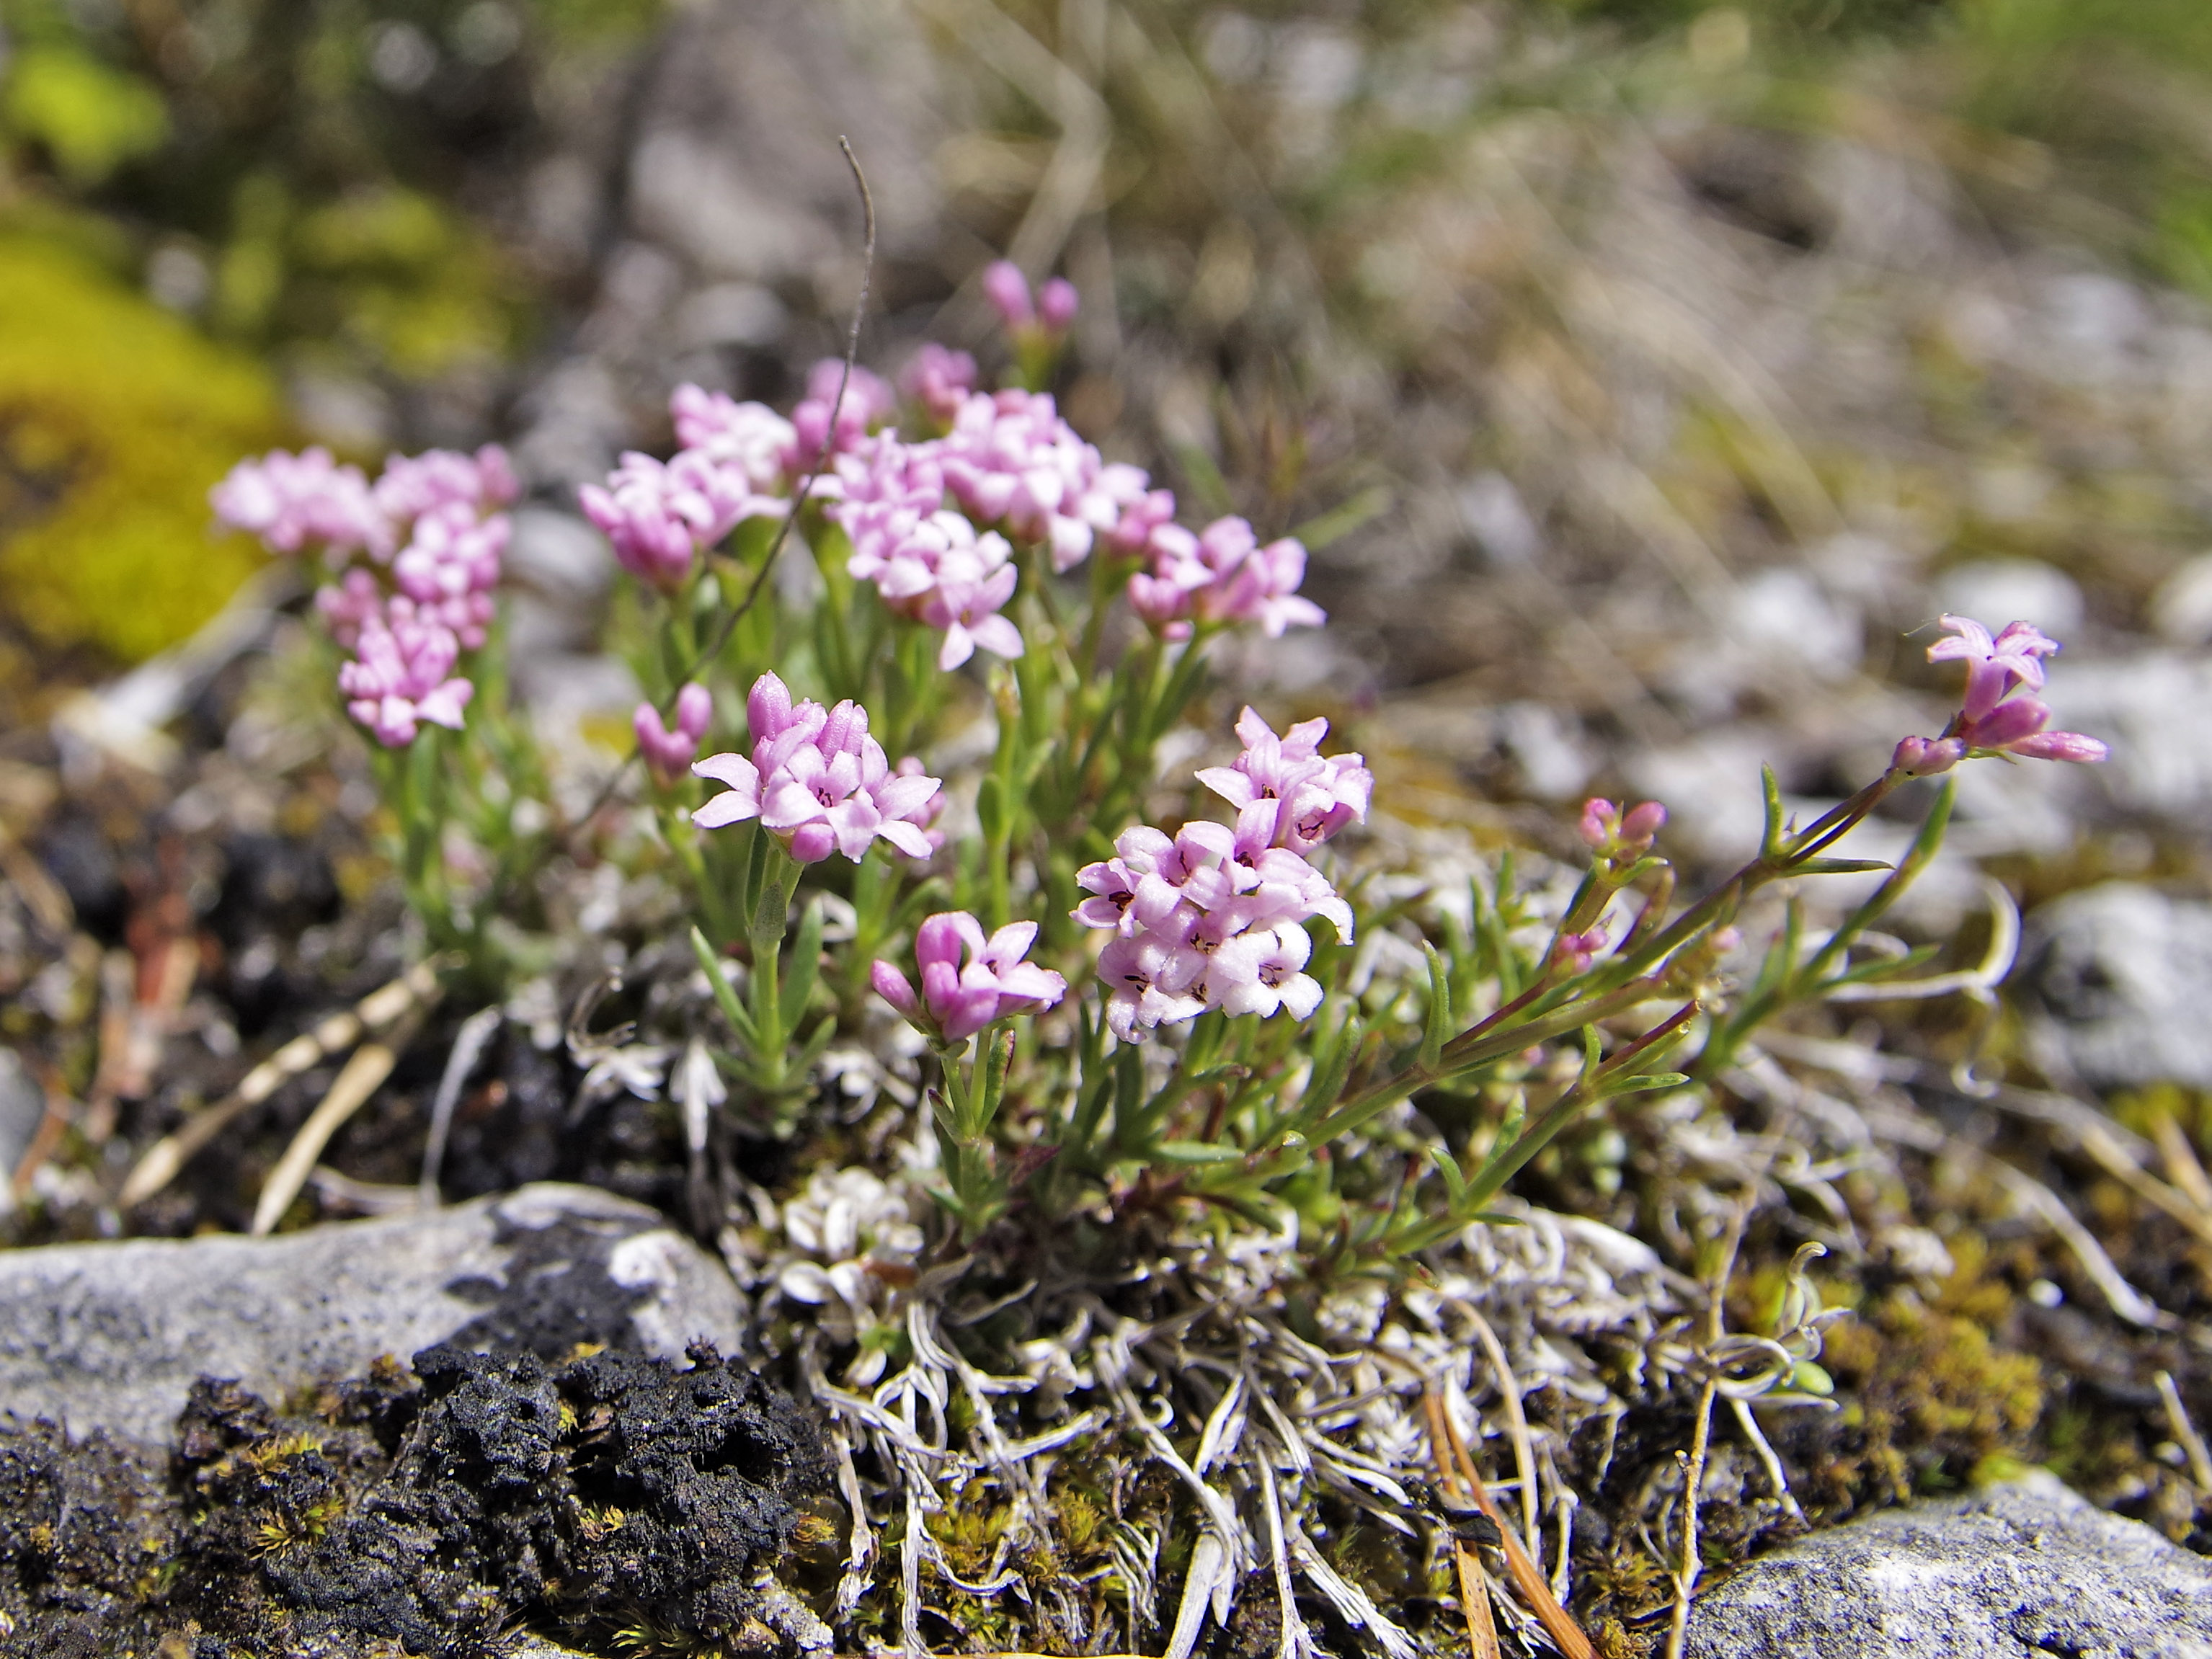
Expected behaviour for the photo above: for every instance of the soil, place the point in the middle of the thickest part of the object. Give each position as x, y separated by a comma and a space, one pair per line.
436, 1508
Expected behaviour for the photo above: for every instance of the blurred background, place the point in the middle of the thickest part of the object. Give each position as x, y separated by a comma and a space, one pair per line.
1647, 376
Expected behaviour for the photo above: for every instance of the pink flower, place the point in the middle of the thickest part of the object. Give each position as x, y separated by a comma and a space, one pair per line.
1008, 292
958, 1000
1011, 460
451, 564
869, 402
668, 752
348, 606
1144, 510
411, 486
1140, 972
402, 675
658, 516
1995, 718
1259, 972
1994, 666
939, 380
1314, 798
937, 570
817, 782
1222, 575
1578, 950
1213, 918
290, 500
748, 436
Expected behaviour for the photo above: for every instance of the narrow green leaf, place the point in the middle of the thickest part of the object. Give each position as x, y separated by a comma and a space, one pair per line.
804, 968
1770, 844
725, 997
1448, 1167
1437, 1028
1194, 1152
1838, 866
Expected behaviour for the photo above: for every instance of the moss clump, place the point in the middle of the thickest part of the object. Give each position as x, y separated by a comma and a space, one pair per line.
115, 419
1927, 1395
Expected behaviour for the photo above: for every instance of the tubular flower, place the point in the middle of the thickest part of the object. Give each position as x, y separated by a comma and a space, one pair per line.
1011, 460
411, 486
659, 515
290, 500
960, 998
938, 570
1995, 718
403, 675
869, 402
667, 751
438, 513
1313, 797
751, 437
1222, 575
1214, 917
451, 564
939, 380
817, 782
1614, 834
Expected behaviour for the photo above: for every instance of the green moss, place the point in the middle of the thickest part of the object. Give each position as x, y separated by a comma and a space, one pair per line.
1928, 1397
115, 419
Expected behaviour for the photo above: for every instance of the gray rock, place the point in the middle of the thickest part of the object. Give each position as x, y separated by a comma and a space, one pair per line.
2020, 1570
112, 1335
2124, 974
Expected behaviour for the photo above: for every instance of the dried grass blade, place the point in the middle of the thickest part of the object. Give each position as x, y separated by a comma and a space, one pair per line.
332, 1035
363, 1075
1528, 1577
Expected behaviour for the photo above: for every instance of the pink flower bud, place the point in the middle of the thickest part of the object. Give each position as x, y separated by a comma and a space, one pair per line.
1925, 757
1008, 291
1641, 827
1057, 302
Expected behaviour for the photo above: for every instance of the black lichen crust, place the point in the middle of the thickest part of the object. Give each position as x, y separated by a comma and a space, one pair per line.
427, 1514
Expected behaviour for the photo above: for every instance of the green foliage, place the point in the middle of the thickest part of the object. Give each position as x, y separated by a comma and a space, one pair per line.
115, 419
89, 118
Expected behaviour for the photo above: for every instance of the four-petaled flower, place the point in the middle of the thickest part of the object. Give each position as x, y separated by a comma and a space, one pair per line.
967, 980
816, 781
1996, 717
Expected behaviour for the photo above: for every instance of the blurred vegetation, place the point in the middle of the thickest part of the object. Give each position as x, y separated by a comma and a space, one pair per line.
114, 418
202, 200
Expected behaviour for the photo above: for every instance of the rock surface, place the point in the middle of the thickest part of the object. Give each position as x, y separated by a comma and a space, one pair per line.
113, 1336
2023, 1569
2123, 973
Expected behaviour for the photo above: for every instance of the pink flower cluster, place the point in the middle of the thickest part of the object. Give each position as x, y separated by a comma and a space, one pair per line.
669, 752
434, 520
1222, 575
913, 511
1995, 718
1214, 917
661, 514
967, 980
934, 519
818, 782
402, 675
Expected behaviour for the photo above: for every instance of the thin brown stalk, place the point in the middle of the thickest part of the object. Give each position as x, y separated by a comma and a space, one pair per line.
1528, 1577
1473, 1578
